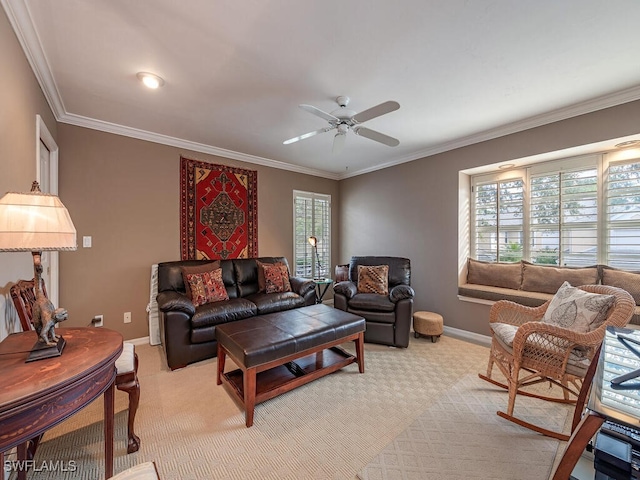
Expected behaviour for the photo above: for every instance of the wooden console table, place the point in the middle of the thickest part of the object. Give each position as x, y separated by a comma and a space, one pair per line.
38, 395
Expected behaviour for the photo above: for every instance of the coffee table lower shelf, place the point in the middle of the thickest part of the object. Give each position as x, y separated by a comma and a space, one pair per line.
278, 379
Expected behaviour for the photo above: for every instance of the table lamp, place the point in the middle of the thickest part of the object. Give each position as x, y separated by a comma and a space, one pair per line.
36, 222
313, 241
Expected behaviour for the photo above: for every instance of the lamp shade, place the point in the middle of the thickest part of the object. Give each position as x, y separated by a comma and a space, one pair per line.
313, 241
35, 221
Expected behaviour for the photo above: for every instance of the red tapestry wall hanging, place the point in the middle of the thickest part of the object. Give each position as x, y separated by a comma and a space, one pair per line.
218, 211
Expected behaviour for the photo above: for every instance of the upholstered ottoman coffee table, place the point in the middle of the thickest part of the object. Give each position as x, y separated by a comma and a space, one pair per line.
280, 351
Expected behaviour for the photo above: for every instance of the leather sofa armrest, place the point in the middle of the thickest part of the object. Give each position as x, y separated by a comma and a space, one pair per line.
175, 301
400, 292
302, 286
348, 289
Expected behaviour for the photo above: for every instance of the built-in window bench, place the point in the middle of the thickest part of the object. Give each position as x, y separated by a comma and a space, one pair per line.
532, 285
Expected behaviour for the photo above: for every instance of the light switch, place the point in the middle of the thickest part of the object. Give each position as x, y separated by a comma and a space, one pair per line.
86, 242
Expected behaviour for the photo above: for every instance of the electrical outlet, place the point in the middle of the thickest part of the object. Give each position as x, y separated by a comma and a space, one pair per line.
98, 320
127, 317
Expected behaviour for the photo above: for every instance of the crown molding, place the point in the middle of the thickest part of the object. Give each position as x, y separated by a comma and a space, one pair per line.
582, 108
139, 134
20, 19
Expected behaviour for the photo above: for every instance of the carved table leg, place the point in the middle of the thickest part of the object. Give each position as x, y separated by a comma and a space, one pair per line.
109, 412
22, 461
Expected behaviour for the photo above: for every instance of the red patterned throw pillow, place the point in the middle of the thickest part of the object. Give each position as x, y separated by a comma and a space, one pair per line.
202, 268
276, 278
206, 287
373, 279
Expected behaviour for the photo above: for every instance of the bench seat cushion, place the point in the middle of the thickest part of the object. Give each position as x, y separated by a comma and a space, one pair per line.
529, 299
493, 294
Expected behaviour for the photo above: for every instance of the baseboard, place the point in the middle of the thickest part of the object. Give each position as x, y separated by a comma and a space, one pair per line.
469, 336
139, 341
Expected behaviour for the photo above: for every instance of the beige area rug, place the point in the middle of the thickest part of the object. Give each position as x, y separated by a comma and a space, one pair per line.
329, 429
461, 437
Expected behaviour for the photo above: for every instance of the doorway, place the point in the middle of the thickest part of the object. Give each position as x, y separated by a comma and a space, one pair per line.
47, 176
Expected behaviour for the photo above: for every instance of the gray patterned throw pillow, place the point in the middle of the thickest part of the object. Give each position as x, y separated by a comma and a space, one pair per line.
577, 310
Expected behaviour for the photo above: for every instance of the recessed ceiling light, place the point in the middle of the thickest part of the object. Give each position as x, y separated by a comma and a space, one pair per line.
150, 80
630, 143
506, 165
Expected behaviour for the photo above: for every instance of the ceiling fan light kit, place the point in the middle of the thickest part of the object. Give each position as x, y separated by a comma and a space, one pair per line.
343, 120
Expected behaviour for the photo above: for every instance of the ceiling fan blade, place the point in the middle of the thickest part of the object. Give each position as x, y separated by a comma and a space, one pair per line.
338, 142
377, 136
376, 111
307, 135
319, 113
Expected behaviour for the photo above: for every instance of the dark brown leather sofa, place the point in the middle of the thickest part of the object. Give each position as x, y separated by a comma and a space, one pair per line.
188, 332
388, 317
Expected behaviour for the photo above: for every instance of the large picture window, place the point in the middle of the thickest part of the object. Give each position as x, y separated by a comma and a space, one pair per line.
573, 212
311, 218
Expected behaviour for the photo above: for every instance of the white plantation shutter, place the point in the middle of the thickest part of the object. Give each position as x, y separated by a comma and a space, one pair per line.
623, 215
564, 217
311, 217
578, 211
498, 216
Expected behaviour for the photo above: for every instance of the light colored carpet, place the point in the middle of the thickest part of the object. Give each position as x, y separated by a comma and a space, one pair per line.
329, 429
461, 437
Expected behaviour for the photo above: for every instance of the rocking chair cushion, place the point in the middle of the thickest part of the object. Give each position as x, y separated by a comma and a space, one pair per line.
577, 310
577, 363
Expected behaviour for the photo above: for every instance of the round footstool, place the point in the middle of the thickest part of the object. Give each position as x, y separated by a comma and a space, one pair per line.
428, 323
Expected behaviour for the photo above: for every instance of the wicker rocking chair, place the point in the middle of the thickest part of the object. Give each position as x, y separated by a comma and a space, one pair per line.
543, 352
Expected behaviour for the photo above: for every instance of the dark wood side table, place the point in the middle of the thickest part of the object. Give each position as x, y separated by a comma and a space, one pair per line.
37, 396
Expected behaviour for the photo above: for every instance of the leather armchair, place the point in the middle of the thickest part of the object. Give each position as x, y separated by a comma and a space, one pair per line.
388, 317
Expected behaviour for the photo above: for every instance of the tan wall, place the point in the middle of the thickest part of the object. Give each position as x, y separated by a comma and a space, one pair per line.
20, 101
412, 209
125, 194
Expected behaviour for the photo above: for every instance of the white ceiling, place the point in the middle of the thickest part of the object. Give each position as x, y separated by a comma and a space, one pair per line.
235, 71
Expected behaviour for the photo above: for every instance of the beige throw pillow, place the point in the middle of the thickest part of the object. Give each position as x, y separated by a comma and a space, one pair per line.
546, 279
373, 279
629, 281
505, 275
577, 310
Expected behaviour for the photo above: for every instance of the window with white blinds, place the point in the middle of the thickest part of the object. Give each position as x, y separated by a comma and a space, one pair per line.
498, 218
311, 218
623, 215
564, 217
578, 211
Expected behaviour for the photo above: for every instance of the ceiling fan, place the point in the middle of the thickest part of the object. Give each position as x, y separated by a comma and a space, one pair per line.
343, 120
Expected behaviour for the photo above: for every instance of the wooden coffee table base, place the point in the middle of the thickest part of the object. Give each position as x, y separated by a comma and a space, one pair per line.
254, 385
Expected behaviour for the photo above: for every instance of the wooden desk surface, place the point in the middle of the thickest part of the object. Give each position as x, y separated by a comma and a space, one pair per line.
87, 350
38, 395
